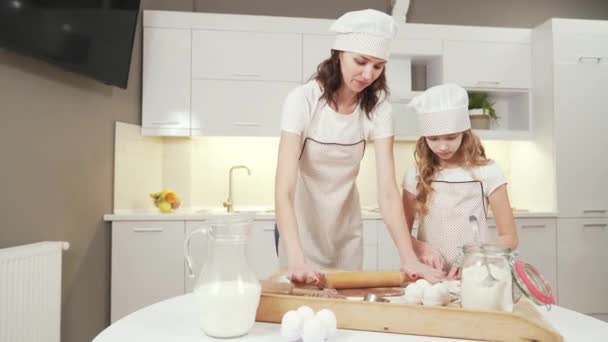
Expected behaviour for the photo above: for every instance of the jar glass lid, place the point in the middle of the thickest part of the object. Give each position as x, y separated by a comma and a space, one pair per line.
532, 284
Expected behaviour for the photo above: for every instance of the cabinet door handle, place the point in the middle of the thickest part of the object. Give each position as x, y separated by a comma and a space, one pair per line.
269, 229
491, 227
489, 82
247, 124
243, 74
594, 211
595, 225
590, 59
147, 230
530, 226
163, 123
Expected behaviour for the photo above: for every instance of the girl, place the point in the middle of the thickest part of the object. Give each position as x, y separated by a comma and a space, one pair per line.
452, 181
326, 124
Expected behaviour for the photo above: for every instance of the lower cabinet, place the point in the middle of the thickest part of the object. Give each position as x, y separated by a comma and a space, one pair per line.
537, 245
581, 258
370, 245
147, 264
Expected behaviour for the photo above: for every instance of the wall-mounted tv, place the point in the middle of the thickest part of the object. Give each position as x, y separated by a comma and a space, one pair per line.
90, 37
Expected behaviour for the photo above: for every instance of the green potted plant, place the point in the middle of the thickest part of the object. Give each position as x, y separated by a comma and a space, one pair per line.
481, 110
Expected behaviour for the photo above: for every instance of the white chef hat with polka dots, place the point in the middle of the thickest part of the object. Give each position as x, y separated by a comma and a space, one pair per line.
443, 109
368, 32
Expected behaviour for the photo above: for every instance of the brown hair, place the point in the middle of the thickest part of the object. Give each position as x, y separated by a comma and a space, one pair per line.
471, 153
329, 75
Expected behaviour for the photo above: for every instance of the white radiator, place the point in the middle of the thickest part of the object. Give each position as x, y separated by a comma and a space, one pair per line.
30, 292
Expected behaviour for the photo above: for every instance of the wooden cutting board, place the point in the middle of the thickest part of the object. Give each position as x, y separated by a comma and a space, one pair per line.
525, 323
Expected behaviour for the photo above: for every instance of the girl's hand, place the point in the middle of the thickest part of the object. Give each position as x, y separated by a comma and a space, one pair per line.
417, 269
454, 273
305, 273
429, 255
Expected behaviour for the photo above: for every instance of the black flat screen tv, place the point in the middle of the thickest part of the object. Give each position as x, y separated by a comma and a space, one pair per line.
90, 37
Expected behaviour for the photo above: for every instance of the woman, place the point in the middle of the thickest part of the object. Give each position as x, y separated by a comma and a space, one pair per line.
453, 181
326, 124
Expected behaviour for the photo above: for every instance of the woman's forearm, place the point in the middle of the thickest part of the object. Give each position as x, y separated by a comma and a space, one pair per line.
288, 228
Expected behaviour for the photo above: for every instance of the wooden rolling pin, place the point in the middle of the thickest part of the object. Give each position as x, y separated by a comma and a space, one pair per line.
273, 287
365, 279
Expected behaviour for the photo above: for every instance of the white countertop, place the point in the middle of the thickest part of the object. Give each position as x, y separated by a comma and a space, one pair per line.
260, 213
176, 320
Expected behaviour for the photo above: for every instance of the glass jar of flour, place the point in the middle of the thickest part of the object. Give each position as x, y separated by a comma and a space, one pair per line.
493, 280
227, 289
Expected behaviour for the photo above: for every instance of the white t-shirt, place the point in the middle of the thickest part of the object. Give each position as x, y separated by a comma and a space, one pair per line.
304, 102
490, 175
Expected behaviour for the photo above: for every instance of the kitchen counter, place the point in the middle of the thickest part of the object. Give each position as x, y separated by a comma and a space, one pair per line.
187, 214
177, 319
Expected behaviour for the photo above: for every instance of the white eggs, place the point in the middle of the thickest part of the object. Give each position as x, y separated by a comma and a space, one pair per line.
304, 324
306, 312
291, 326
328, 320
423, 283
437, 295
413, 293
313, 330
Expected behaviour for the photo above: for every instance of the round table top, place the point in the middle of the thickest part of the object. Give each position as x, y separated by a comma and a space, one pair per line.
177, 320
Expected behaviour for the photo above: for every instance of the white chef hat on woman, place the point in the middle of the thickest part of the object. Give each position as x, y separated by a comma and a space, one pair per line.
443, 109
368, 32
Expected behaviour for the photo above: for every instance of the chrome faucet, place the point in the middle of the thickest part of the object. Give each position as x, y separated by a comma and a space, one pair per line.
229, 203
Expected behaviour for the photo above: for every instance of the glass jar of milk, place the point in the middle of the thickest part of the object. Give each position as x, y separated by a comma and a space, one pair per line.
227, 289
493, 280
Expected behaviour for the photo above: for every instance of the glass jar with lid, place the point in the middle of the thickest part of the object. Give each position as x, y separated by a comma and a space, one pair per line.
493, 280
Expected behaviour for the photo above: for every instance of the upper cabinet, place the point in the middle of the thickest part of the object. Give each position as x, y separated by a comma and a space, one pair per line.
474, 64
228, 75
166, 82
227, 55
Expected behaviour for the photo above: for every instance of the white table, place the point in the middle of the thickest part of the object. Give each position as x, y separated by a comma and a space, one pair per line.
176, 320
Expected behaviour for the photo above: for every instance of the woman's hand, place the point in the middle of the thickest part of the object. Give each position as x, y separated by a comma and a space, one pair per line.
429, 255
305, 273
417, 269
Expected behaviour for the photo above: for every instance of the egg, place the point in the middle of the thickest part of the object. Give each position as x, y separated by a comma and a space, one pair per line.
305, 312
313, 330
291, 326
413, 293
423, 283
328, 320
437, 295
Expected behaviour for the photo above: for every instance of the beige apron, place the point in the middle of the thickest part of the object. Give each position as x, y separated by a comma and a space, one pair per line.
446, 226
326, 202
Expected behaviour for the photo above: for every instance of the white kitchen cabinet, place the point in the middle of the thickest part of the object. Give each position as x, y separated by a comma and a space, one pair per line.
370, 245
147, 264
315, 49
580, 138
261, 251
388, 255
477, 64
582, 271
404, 122
246, 56
537, 245
238, 108
166, 82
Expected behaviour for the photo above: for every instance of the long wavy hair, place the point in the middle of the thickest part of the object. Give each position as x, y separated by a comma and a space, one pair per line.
329, 75
470, 153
